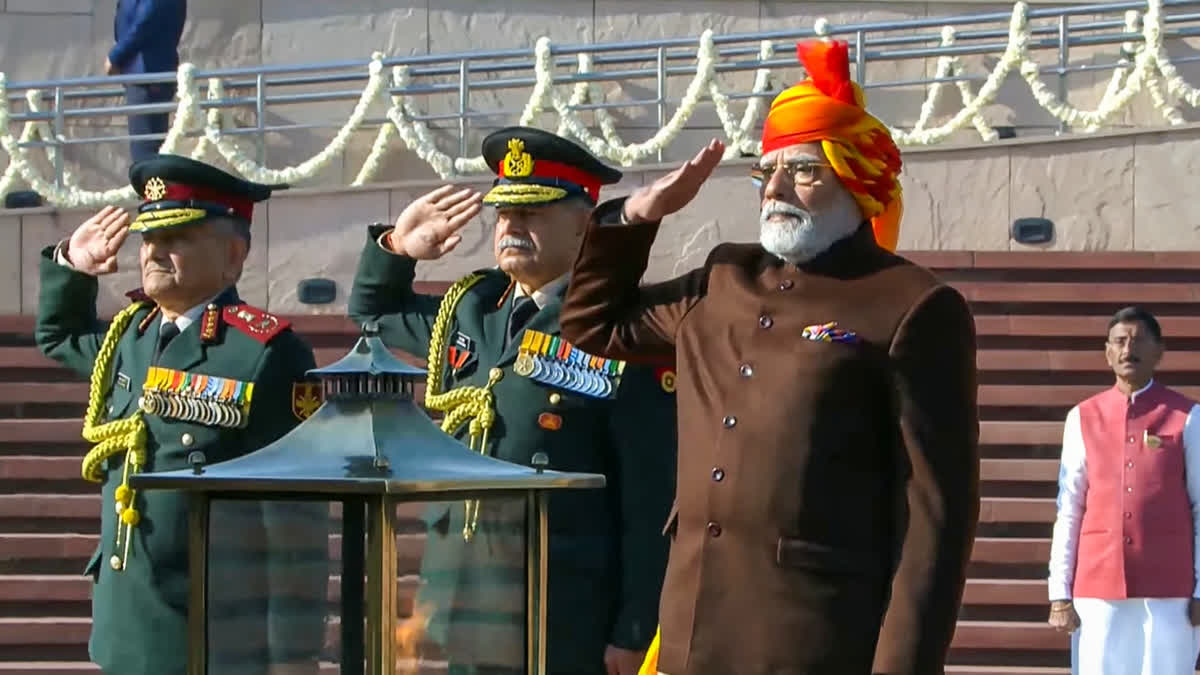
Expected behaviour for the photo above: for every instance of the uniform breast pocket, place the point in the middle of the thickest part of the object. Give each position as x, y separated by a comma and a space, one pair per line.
122, 398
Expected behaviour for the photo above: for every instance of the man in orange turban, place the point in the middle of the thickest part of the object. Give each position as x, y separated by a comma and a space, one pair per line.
828, 470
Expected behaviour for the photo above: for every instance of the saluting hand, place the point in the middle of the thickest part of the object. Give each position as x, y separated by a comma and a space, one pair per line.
428, 227
93, 247
674, 190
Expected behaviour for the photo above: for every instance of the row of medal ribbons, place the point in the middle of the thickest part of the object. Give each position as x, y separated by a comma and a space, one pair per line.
192, 397
553, 361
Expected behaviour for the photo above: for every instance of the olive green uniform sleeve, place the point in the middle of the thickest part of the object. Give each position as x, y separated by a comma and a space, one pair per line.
643, 433
67, 328
383, 292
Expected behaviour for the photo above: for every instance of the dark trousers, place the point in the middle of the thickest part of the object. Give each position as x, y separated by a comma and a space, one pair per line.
153, 123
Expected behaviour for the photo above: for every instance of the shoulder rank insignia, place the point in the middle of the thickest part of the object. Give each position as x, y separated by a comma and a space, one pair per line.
307, 398
666, 378
191, 397
551, 360
255, 322
138, 295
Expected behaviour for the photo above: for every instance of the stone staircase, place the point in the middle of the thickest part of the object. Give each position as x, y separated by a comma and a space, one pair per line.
1040, 317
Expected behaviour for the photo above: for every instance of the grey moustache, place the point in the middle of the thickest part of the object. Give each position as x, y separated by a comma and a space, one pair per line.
516, 242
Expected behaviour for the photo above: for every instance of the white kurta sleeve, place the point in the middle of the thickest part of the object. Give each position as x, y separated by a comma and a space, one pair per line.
1191, 469
1072, 494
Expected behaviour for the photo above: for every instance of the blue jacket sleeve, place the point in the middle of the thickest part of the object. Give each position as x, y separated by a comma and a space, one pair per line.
147, 16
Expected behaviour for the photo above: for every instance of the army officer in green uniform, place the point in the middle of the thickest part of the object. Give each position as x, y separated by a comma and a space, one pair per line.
186, 371
509, 386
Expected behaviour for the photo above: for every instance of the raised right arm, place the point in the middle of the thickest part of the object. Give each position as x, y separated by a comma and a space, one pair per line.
383, 292
606, 311
67, 328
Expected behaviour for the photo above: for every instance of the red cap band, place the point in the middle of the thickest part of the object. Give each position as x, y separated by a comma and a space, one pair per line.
240, 206
548, 169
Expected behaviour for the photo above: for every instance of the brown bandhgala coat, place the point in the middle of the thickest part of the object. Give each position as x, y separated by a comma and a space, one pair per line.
827, 493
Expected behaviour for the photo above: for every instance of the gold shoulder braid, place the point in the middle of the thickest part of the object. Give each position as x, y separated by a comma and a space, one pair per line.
128, 435
473, 404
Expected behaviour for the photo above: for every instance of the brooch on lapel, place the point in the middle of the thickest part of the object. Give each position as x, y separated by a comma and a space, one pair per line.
1151, 441
829, 332
202, 399
551, 360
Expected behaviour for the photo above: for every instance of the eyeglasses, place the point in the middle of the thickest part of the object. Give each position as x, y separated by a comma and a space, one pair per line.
803, 172
1121, 342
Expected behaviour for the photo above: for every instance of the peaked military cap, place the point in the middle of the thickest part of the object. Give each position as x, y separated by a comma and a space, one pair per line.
179, 190
536, 167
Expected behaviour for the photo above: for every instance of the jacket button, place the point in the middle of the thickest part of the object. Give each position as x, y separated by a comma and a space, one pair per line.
1128, 515
785, 284
718, 474
1129, 464
1128, 540
714, 529
765, 321
729, 421
555, 398
1129, 489
746, 370
1132, 439
187, 440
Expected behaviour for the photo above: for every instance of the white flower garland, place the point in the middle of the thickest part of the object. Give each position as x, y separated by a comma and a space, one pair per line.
1150, 69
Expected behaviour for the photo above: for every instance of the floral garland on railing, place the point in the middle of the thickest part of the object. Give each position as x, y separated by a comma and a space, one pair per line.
1142, 66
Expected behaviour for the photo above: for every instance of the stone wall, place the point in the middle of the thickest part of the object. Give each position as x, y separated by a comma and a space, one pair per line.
1126, 191
57, 38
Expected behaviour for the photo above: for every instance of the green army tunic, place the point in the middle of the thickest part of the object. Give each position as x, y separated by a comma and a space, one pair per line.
139, 619
607, 552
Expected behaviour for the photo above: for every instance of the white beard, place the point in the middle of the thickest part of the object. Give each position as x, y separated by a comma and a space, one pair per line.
797, 236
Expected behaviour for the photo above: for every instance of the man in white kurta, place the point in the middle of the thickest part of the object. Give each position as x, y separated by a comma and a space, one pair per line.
1123, 560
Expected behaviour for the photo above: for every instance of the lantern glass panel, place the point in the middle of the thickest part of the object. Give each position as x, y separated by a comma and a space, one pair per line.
269, 586
468, 605
277, 572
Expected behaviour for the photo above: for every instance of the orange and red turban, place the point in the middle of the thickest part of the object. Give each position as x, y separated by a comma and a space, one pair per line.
829, 107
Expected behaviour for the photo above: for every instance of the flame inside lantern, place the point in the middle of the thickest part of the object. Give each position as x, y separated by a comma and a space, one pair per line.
409, 634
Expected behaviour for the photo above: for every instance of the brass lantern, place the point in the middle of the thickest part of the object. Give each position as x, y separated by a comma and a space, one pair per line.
259, 528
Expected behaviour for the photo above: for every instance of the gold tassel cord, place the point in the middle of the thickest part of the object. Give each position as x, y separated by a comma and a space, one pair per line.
464, 404
127, 435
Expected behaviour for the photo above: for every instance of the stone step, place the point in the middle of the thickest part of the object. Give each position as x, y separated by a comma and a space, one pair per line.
1011, 550
1118, 294
48, 668
1009, 635
1018, 470
1016, 510
1005, 670
36, 467
995, 432
1062, 396
1005, 592
1060, 261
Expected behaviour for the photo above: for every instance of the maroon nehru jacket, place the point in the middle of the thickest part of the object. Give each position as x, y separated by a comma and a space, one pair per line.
827, 493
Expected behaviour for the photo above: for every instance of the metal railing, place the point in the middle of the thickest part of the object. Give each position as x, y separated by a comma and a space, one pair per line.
450, 81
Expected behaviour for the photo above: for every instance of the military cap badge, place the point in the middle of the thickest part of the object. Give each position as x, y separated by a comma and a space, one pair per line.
179, 190
535, 167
